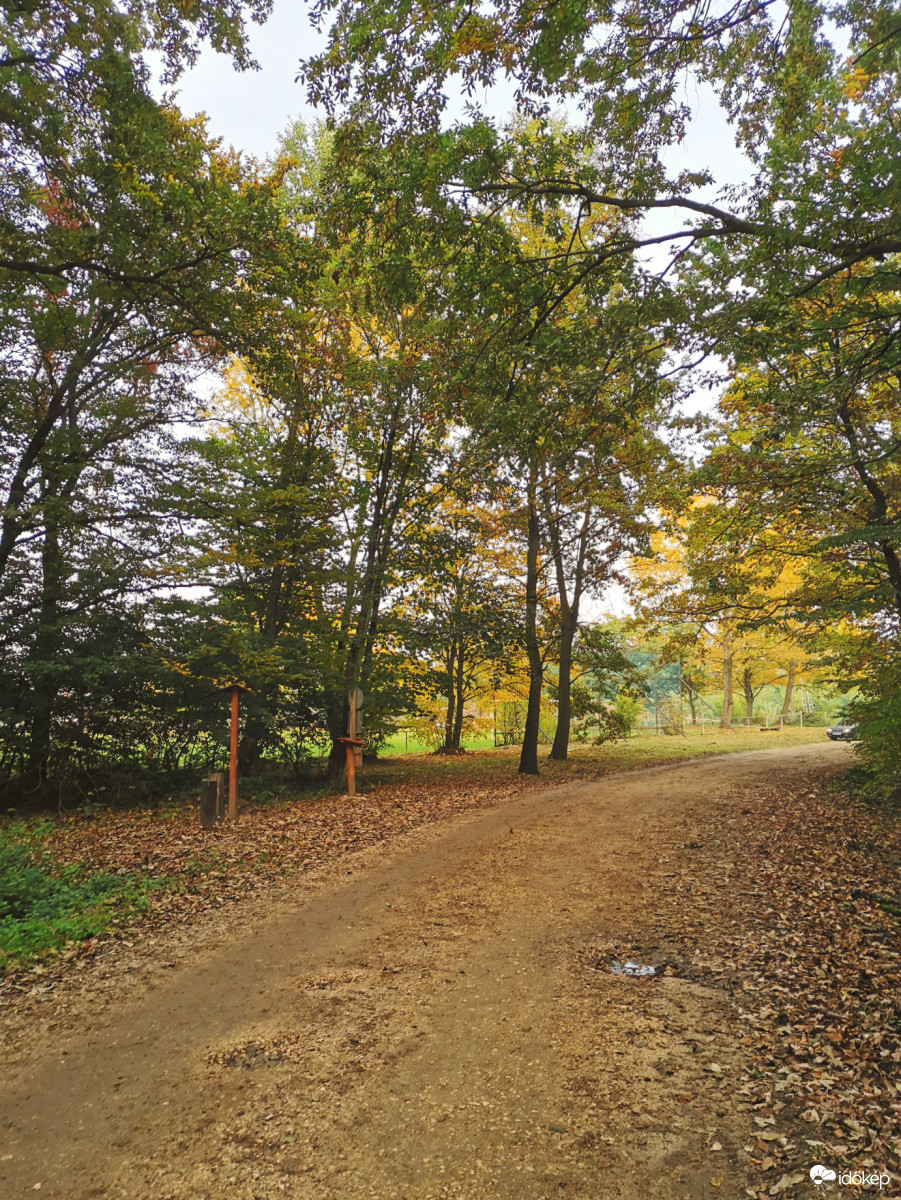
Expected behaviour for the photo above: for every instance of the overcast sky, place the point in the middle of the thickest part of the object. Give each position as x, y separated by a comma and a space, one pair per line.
249, 110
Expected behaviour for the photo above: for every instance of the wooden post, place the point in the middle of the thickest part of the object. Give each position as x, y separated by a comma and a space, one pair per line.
351, 768
218, 777
233, 761
208, 795
351, 745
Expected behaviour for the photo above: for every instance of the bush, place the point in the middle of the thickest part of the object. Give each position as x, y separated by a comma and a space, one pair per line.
628, 708
877, 714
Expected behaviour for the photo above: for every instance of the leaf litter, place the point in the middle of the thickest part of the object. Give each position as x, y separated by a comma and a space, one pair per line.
798, 923
792, 905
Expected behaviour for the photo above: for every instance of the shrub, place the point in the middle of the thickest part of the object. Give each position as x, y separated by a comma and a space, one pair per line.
877, 713
628, 708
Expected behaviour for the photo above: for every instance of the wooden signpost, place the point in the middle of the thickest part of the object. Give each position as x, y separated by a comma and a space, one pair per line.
355, 722
212, 789
353, 743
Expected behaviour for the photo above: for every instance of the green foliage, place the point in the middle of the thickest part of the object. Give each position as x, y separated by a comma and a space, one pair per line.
877, 713
816, 121
628, 708
45, 903
592, 720
425, 320
132, 255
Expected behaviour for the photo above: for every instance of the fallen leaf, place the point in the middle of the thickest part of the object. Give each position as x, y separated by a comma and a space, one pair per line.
788, 1181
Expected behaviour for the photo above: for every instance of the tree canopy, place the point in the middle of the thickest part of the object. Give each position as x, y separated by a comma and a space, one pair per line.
451, 355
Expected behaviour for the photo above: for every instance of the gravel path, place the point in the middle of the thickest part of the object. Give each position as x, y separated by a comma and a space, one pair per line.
420, 1022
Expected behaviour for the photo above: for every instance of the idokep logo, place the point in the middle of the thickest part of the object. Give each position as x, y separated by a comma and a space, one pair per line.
862, 1179
821, 1175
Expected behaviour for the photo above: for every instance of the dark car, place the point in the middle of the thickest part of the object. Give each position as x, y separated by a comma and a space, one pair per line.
842, 733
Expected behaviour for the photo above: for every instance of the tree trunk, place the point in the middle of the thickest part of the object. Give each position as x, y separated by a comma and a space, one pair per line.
748, 686
450, 714
569, 622
528, 759
257, 728
458, 719
560, 748
256, 732
726, 719
789, 698
368, 583
879, 509
689, 691
45, 653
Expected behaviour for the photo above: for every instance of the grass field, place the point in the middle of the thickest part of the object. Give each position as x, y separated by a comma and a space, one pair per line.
644, 749
406, 743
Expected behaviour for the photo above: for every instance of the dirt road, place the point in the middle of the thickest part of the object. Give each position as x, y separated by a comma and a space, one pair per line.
428, 1021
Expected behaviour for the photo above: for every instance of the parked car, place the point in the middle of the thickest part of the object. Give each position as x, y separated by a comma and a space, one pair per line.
842, 733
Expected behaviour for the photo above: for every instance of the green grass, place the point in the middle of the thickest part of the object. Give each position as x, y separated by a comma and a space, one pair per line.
492, 766
408, 743
45, 903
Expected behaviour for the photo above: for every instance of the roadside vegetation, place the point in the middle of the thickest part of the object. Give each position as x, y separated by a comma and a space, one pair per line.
73, 882
49, 902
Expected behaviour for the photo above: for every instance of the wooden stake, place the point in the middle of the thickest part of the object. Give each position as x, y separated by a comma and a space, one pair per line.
351, 745
355, 724
207, 803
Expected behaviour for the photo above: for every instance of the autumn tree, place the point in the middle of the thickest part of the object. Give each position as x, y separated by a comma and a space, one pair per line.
566, 407
722, 612
466, 607
349, 414
815, 122
600, 475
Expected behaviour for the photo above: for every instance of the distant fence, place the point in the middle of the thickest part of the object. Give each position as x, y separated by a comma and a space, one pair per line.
669, 723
